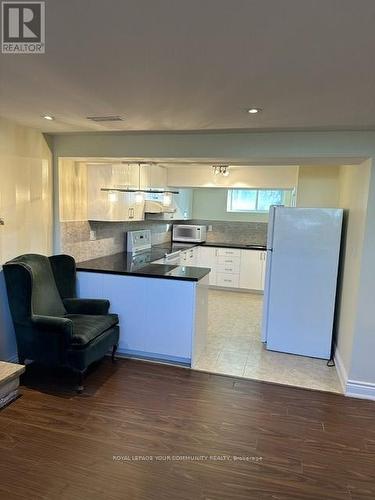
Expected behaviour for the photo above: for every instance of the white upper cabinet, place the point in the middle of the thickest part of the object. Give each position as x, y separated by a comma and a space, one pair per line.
112, 206
152, 176
125, 175
158, 177
145, 176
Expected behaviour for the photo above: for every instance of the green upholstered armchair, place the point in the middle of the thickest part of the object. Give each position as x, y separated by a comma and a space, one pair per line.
52, 325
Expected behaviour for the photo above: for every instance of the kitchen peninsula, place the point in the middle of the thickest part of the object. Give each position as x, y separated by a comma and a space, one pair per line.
162, 307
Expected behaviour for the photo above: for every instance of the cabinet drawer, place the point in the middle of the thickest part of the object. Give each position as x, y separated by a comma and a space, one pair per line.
232, 252
227, 279
229, 259
229, 267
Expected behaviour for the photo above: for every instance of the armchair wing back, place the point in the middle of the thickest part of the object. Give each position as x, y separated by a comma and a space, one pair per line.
52, 325
32, 287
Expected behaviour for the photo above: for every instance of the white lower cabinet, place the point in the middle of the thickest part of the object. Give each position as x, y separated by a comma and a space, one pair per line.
252, 269
233, 267
189, 257
207, 258
227, 279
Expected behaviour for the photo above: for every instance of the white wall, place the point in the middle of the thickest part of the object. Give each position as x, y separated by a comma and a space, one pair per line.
72, 190
239, 177
25, 205
353, 197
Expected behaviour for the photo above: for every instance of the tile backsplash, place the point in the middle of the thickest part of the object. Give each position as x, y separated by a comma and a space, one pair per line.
247, 233
110, 236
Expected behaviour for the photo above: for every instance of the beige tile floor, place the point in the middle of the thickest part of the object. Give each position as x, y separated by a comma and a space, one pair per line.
234, 347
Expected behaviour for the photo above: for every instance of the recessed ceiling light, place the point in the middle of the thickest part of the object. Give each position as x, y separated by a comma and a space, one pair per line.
48, 117
254, 111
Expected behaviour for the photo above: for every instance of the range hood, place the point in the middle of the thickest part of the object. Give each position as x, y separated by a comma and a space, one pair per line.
157, 207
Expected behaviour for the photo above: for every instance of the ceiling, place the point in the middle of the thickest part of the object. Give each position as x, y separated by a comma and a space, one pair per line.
197, 65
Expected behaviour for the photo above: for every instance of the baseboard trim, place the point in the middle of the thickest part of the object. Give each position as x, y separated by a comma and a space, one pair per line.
360, 389
341, 370
353, 388
155, 357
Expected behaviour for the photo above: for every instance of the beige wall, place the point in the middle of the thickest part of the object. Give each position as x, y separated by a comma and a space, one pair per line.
318, 186
353, 197
72, 190
25, 191
25, 205
362, 371
239, 177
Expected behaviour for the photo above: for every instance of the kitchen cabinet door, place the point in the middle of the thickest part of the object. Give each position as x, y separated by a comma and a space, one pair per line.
251, 270
102, 205
158, 177
264, 262
145, 176
207, 258
125, 175
191, 257
194, 256
112, 206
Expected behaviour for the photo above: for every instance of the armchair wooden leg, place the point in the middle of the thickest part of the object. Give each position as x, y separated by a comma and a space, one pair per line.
114, 349
80, 386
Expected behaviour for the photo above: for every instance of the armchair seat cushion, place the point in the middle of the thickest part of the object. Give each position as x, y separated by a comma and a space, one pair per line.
87, 328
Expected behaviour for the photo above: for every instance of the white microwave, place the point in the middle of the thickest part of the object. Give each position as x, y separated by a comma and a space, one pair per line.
189, 233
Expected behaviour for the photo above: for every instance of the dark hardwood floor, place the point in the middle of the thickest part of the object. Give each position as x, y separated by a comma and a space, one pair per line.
55, 444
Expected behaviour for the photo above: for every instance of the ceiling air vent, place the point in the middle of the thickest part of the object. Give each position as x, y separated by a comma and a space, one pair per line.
105, 118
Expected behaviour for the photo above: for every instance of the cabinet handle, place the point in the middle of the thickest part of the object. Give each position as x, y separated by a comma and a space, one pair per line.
228, 281
230, 269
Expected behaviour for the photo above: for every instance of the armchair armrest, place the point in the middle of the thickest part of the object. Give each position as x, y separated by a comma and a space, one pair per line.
52, 324
86, 306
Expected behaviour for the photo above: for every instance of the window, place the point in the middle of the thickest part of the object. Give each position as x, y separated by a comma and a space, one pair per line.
258, 200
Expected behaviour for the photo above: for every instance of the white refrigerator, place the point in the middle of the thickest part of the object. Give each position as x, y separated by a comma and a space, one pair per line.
303, 248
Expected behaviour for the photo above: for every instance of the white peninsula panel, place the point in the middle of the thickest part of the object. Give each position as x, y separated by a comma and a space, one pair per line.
159, 318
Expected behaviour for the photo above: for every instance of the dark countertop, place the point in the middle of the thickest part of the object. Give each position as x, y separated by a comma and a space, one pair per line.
123, 263
172, 247
160, 250
234, 245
